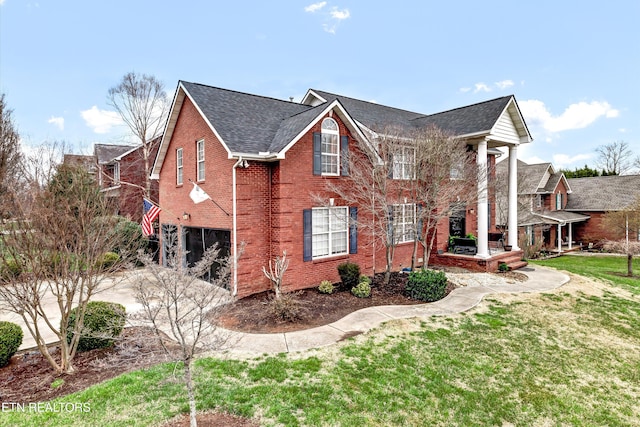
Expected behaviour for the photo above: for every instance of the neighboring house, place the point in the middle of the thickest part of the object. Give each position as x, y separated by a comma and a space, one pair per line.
86, 162
543, 194
595, 196
262, 159
121, 174
565, 213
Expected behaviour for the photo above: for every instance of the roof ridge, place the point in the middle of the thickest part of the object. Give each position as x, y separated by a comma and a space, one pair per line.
466, 106
242, 93
368, 102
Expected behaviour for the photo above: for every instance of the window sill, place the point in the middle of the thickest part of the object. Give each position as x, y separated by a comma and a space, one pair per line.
329, 258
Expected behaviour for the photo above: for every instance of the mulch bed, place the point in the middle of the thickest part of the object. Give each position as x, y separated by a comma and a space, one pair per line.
253, 314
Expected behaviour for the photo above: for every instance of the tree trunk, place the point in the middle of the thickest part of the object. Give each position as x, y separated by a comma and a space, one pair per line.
190, 392
629, 265
387, 272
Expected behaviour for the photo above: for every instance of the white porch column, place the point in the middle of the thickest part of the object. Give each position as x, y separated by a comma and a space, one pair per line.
559, 238
570, 225
483, 198
512, 221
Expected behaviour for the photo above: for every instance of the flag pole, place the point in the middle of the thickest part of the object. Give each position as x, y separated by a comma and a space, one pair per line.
214, 202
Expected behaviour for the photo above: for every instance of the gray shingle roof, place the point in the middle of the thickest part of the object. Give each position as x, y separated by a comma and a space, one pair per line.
459, 121
603, 193
253, 124
248, 123
105, 153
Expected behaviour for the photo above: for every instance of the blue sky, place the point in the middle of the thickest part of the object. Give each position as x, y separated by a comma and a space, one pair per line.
574, 66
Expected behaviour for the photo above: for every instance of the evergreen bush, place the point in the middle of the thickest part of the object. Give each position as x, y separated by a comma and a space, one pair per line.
103, 321
349, 274
362, 290
426, 285
326, 287
10, 341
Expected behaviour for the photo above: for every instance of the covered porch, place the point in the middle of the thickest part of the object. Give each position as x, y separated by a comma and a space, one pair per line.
559, 235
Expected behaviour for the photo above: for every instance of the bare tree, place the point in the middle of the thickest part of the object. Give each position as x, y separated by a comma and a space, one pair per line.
277, 268
445, 180
10, 158
175, 300
53, 259
368, 186
615, 158
626, 224
142, 104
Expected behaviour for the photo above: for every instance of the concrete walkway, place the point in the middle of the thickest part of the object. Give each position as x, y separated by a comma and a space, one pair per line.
477, 285
474, 286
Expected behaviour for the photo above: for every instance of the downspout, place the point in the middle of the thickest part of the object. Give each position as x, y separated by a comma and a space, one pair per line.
235, 228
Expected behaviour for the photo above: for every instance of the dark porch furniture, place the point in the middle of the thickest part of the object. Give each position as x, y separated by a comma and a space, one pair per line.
464, 246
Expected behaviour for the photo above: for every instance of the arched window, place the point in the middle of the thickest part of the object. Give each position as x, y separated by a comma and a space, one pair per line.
330, 147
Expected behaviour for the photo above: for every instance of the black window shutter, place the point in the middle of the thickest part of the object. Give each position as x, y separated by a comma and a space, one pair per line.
353, 230
317, 153
307, 254
390, 163
344, 152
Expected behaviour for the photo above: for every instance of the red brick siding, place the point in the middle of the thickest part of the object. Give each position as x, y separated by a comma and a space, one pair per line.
174, 199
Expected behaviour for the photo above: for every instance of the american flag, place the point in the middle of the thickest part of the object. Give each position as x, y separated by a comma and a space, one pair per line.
151, 212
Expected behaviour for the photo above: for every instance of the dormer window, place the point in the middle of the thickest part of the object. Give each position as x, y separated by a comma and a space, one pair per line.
330, 147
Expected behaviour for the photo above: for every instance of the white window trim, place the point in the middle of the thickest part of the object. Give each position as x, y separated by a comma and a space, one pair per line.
200, 161
116, 173
407, 227
179, 166
558, 201
401, 165
538, 200
331, 132
331, 232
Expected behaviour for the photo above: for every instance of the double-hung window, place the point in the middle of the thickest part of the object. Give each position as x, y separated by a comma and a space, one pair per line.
404, 162
330, 229
330, 147
179, 166
200, 160
559, 201
404, 218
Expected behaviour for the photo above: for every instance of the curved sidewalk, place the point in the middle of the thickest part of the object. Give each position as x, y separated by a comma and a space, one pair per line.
459, 300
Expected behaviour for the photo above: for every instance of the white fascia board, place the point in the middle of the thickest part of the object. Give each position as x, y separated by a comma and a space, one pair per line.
310, 93
176, 105
339, 110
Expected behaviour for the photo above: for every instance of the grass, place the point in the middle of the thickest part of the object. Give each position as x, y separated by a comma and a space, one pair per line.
611, 268
559, 358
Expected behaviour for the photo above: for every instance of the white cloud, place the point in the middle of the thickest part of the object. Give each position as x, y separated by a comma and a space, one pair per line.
1, 2
575, 116
481, 87
465, 89
504, 84
57, 121
312, 8
340, 15
332, 17
101, 121
562, 161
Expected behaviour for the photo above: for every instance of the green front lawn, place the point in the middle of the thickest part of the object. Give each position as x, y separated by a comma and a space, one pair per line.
562, 358
612, 268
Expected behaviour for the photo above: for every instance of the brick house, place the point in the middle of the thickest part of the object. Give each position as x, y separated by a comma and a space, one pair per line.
564, 213
595, 196
121, 175
543, 194
260, 159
